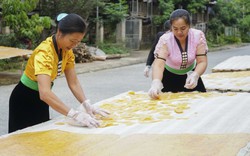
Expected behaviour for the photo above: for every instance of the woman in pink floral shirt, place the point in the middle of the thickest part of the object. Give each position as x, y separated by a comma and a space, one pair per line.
180, 58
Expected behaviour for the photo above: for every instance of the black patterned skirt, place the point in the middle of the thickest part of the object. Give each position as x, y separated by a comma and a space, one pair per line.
175, 83
25, 108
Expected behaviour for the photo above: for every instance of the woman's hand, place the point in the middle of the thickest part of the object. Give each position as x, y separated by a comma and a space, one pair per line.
192, 80
81, 118
155, 90
93, 110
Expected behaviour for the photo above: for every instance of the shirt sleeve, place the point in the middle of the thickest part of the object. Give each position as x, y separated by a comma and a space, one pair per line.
70, 60
202, 47
161, 49
43, 63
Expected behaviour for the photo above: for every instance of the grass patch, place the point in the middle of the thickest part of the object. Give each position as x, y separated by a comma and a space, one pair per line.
113, 48
12, 64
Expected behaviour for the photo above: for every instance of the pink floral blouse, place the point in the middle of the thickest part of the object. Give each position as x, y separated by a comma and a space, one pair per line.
167, 47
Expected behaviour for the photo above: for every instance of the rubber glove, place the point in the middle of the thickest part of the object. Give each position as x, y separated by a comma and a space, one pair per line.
155, 90
93, 110
81, 118
192, 80
147, 71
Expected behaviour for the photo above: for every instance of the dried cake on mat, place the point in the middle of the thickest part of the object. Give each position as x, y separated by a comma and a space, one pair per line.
235, 63
238, 81
187, 124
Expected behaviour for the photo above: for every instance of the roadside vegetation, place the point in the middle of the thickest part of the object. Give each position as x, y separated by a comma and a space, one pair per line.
28, 28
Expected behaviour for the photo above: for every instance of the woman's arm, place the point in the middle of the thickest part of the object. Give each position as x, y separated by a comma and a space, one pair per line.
75, 85
159, 62
46, 95
201, 64
158, 69
77, 90
201, 56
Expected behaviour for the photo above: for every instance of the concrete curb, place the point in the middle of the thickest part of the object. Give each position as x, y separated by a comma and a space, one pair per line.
134, 58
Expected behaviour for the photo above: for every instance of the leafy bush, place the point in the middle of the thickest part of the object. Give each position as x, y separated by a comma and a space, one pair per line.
12, 64
246, 38
28, 29
8, 40
232, 39
113, 48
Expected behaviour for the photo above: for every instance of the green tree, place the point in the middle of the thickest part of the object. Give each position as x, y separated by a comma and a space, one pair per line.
110, 12
244, 26
52, 8
15, 15
193, 6
215, 29
166, 7
243, 6
227, 17
237, 17
113, 12
243, 18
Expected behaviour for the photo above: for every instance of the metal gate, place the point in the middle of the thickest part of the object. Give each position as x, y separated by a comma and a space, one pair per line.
133, 27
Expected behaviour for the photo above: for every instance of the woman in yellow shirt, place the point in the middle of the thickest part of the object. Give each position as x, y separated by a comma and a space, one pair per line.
30, 100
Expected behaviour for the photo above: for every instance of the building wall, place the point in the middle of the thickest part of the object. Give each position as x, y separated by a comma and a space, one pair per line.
145, 9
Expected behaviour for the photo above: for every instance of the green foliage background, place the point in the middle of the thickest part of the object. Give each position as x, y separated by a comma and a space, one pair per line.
110, 12
15, 15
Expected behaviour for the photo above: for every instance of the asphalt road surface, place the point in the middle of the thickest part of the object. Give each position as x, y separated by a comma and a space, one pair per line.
104, 84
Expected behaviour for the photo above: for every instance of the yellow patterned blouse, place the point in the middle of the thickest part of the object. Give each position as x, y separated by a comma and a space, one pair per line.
44, 60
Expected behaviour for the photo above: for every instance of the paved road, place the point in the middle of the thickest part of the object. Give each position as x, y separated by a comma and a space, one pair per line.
104, 84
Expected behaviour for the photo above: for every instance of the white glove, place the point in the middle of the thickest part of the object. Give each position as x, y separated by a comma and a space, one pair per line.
93, 110
147, 71
81, 118
155, 90
192, 80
